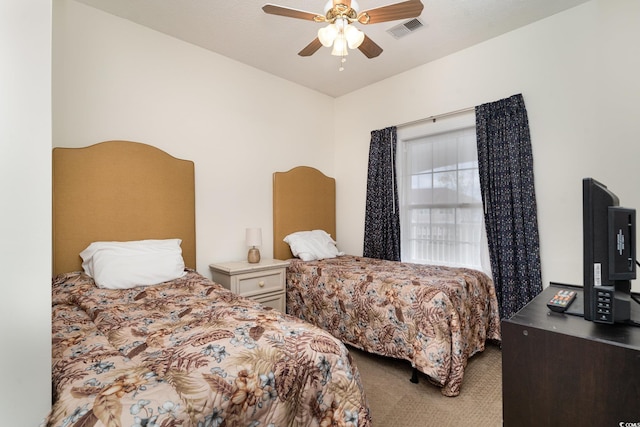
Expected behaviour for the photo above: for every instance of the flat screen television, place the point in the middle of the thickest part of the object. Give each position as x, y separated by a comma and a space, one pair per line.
609, 239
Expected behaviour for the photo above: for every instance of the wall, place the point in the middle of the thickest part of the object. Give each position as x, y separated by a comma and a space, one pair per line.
113, 79
25, 225
577, 71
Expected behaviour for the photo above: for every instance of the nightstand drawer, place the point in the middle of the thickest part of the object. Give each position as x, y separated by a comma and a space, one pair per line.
275, 301
261, 282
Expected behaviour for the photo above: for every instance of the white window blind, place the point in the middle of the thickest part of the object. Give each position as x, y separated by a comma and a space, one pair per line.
440, 200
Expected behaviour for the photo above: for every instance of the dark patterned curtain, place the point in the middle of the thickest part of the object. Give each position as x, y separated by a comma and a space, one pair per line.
508, 194
382, 217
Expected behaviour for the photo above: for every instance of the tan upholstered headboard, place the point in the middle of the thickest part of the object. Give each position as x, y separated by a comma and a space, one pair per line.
303, 199
119, 191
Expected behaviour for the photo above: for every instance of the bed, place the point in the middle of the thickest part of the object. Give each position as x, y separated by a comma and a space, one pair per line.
435, 317
182, 352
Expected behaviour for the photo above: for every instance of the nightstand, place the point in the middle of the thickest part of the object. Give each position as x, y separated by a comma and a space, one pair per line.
263, 282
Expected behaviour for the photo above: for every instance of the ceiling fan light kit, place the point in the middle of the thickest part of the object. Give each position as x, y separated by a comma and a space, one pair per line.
340, 34
340, 31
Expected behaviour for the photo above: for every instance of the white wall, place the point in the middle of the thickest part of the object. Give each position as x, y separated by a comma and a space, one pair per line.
113, 79
578, 72
25, 219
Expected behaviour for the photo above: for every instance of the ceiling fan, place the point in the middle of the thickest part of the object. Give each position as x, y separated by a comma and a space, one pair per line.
340, 33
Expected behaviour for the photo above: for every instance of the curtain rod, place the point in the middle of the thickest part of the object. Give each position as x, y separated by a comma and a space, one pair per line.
436, 117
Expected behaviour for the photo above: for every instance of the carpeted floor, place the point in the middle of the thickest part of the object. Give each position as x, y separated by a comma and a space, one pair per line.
396, 402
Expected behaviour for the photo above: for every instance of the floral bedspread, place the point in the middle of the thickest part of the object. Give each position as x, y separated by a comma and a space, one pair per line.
435, 317
191, 353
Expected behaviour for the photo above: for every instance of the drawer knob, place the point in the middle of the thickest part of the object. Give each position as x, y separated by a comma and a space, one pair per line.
261, 283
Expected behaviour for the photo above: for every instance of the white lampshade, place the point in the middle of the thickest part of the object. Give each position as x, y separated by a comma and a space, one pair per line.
340, 47
354, 36
327, 35
254, 237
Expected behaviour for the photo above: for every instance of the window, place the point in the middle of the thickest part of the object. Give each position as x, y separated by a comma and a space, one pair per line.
440, 200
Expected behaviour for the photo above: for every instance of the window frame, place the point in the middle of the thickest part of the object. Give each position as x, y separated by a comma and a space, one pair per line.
409, 133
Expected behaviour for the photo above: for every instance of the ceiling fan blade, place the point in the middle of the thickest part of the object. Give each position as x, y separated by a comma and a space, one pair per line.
370, 48
311, 48
392, 12
273, 9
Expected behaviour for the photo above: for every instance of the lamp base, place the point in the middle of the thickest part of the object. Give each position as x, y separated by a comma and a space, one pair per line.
253, 256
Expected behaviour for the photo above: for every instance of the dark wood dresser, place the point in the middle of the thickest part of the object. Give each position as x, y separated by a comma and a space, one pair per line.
562, 370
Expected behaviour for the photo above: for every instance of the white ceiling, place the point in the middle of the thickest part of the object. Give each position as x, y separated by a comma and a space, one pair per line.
240, 30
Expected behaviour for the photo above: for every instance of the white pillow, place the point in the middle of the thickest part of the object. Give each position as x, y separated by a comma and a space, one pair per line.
312, 245
123, 265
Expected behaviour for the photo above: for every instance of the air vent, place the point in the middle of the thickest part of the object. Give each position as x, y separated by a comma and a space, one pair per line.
405, 28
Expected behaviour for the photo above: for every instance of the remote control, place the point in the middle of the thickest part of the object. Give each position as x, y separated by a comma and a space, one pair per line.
561, 300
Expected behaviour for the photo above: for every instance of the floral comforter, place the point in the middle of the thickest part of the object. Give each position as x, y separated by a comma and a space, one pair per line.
435, 317
191, 353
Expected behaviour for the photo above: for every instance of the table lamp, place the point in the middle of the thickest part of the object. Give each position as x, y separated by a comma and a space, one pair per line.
253, 239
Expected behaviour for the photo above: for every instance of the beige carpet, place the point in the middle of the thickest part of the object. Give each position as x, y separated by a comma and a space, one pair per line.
396, 402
